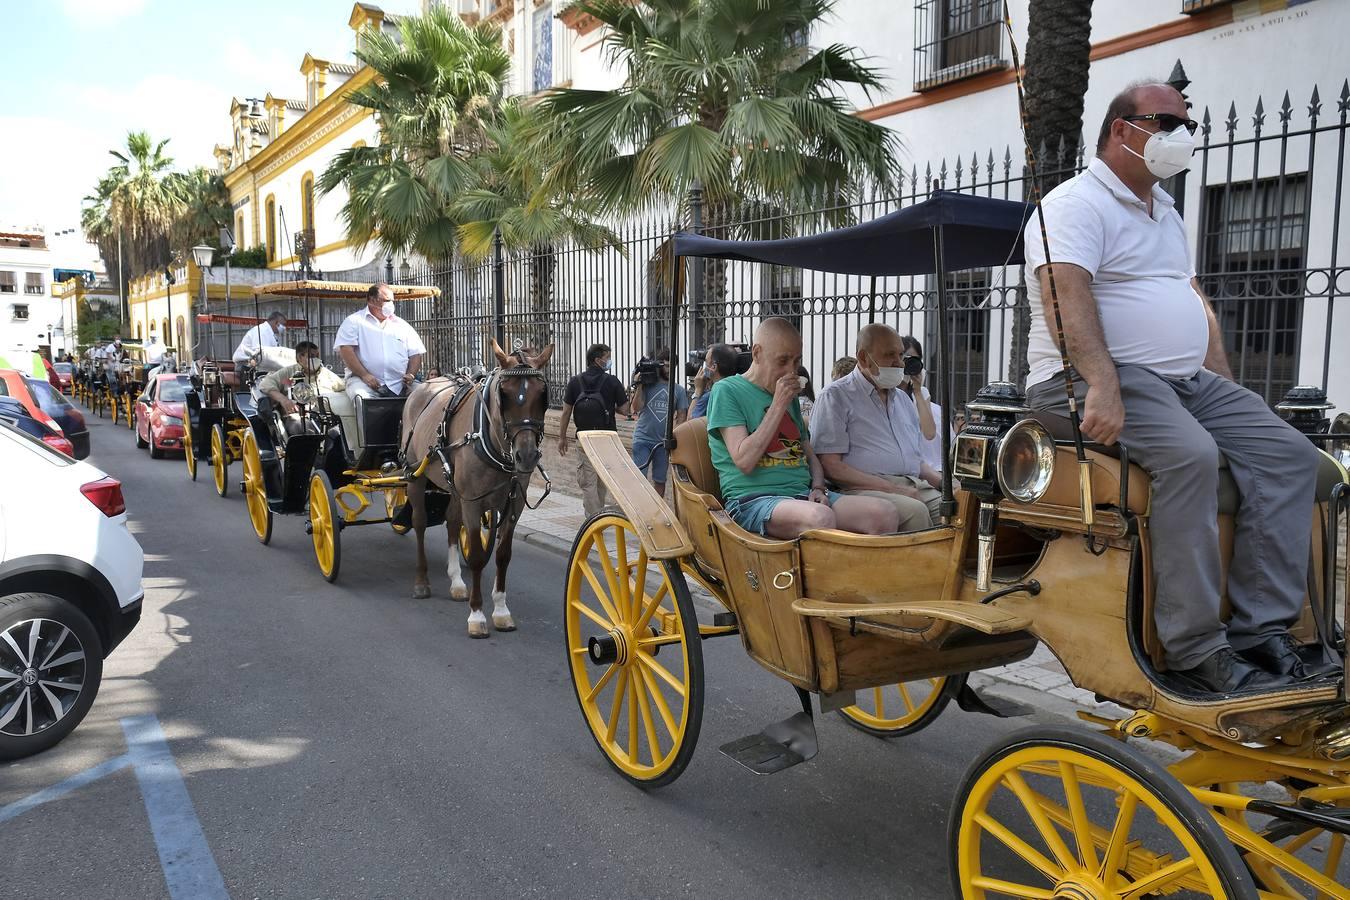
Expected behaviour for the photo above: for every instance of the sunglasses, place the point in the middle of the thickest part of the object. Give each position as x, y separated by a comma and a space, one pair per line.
1166, 121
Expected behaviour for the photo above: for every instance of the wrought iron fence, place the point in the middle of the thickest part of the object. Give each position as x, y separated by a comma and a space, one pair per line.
1263, 201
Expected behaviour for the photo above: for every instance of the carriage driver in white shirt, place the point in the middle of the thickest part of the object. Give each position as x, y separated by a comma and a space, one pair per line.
382, 352
264, 334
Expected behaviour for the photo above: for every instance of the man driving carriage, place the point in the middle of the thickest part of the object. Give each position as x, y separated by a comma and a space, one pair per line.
381, 351
771, 480
1148, 357
309, 365
264, 334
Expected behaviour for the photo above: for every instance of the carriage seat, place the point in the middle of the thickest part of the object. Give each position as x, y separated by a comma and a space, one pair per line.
692, 452
345, 410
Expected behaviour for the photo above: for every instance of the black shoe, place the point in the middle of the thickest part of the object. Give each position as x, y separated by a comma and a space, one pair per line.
1284, 655
1225, 672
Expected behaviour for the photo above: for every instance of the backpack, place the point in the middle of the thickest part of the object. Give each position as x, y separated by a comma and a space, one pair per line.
592, 411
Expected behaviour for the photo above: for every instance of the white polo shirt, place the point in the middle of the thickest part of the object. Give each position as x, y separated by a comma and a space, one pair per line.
257, 337
880, 437
384, 348
1141, 272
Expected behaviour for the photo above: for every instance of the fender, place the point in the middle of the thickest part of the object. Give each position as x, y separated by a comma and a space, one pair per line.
78, 582
662, 535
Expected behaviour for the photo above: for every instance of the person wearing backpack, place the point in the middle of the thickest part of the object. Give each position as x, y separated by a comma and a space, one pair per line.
590, 401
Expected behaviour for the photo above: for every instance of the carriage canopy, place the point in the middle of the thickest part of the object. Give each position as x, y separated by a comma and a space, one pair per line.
975, 231
343, 290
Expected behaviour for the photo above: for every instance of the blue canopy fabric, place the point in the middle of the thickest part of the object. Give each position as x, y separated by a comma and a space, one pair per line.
976, 232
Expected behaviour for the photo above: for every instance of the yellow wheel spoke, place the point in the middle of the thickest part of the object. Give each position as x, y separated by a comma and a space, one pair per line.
612, 579
639, 588
1082, 828
659, 700
1168, 875
1014, 843
632, 720
600, 684
658, 669
649, 726
650, 643
1031, 801
881, 702
1011, 889
590, 614
1120, 836
612, 723
652, 606
1334, 852
904, 695
601, 595
624, 596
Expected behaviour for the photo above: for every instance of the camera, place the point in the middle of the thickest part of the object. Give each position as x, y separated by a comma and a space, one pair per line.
694, 364
648, 371
913, 366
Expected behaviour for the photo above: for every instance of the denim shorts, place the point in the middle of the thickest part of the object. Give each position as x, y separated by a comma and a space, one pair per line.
651, 453
752, 513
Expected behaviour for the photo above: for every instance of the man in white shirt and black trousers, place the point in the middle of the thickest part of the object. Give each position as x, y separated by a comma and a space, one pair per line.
265, 334
1148, 356
381, 351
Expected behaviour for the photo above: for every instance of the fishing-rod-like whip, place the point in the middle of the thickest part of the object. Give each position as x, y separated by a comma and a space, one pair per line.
1033, 171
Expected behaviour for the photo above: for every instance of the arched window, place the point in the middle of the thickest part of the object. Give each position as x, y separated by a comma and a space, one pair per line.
271, 228
239, 238
140, 333
181, 344
164, 333
307, 202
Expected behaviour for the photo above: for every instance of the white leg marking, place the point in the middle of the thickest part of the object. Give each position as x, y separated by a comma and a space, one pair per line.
501, 615
458, 589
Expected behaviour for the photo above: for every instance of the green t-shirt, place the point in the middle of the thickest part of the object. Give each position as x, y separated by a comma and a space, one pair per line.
783, 471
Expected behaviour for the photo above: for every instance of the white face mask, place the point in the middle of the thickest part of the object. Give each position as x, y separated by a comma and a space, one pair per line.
387, 309
281, 329
888, 377
1166, 152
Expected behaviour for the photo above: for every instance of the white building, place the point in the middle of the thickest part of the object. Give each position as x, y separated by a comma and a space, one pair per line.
28, 312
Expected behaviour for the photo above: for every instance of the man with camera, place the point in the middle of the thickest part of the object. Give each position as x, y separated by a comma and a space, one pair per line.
591, 400
720, 361
651, 404
870, 431
771, 480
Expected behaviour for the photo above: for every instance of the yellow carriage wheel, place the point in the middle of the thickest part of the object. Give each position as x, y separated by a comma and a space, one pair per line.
634, 652
1061, 812
255, 490
189, 454
220, 460
325, 525
116, 403
895, 710
485, 536
127, 404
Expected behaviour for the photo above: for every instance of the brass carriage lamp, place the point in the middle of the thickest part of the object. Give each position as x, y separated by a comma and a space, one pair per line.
1000, 454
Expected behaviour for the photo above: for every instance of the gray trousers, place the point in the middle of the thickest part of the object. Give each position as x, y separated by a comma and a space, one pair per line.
1175, 429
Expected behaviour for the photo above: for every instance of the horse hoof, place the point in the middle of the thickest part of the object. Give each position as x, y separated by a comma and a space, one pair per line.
459, 593
478, 630
421, 591
503, 623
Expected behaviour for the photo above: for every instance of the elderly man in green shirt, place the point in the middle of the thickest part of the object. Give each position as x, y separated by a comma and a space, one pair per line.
771, 481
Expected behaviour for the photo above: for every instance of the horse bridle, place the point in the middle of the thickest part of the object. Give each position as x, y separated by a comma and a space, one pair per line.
509, 430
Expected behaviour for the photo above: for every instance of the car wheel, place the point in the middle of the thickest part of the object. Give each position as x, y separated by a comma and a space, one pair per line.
156, 451
51, 665
140, 441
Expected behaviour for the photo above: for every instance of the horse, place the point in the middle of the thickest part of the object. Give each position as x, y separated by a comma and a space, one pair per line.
478, 442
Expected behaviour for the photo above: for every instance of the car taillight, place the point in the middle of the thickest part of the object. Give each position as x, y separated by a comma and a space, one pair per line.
106, 494
57, 442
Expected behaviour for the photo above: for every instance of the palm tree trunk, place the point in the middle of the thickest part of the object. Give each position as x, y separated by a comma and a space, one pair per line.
1058, 45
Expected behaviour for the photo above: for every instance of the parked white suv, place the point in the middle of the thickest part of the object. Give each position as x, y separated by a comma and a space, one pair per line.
70, 589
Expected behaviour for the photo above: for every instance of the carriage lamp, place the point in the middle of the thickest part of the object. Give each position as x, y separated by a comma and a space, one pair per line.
1340, 446
1000, 455
1305, 408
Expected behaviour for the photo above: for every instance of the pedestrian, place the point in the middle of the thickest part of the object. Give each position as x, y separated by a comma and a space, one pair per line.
718, 363
651, 404
591, 400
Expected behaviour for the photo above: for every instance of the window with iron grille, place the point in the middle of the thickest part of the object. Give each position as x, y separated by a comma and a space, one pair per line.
1253, 255
8, 284
967, 337
782, 294
20, 312
956, 39
32, 283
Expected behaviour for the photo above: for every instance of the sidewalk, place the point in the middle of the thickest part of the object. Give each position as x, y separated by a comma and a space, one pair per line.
554, 525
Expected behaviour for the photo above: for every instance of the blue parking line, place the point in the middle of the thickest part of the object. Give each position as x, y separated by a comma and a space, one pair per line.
189, 868
60, 789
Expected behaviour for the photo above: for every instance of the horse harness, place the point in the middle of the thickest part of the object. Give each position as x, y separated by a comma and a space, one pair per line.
482, 438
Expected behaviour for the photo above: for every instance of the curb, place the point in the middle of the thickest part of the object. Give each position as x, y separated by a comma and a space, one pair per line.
544, 540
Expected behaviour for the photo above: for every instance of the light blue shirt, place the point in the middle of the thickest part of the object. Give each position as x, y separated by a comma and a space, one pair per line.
876, 436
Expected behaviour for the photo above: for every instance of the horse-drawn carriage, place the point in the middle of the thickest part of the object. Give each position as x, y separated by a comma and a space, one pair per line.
1036, 546
215, 418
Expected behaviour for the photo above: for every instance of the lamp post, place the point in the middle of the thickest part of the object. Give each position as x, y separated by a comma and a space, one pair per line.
168, 301
404, 271
389, 269
201, 255
227, 248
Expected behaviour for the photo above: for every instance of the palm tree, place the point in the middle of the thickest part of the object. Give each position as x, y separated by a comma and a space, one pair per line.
205, 207
438, 89
144, 202
723, 95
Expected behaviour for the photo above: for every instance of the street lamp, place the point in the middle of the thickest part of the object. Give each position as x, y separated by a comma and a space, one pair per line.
389, 269
168, 302
404, 271
202, 256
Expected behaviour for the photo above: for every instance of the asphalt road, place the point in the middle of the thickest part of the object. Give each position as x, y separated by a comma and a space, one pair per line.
348, 741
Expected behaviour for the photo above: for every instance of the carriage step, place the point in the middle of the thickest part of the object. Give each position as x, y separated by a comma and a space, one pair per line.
780, 746
1001, 707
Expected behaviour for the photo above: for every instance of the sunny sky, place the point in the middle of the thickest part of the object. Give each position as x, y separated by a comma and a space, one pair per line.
79, 74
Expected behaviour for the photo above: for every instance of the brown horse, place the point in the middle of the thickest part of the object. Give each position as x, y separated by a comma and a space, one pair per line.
480, 442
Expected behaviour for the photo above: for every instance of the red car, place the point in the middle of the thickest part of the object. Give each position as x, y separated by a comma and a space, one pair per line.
159, 414
45, 404
65, 374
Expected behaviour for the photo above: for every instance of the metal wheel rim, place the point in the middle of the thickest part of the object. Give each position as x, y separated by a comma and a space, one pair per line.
639, 683
218, 461
322, 526
42, 673
1074, 854
871, 710
255, 494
